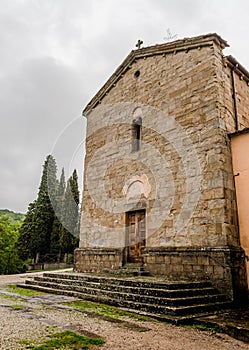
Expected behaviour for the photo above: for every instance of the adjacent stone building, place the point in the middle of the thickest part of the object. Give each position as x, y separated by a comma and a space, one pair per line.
159, 185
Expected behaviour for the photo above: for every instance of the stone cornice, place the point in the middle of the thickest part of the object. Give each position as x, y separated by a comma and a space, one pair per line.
238, 68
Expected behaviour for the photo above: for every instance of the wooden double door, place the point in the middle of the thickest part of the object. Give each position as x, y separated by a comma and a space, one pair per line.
136, 230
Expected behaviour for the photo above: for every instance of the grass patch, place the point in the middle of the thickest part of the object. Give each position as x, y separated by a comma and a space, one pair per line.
23, 291
204, 327
67, 340
10, 297
31, 271
105, 310
17, 307
24, 342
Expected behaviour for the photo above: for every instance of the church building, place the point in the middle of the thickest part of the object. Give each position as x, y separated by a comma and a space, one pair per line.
166, 181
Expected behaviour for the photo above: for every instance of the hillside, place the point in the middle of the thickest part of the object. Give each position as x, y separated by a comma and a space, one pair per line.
13, 217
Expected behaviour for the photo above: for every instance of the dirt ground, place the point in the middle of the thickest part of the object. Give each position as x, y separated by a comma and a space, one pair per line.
36, 317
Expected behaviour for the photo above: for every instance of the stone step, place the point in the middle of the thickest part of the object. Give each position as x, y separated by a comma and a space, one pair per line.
143, 282
137, 297
167, 293
131, 269
152, 309
147, 294
129, 272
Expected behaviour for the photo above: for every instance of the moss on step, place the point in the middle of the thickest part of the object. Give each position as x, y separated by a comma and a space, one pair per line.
105, 310
23, 291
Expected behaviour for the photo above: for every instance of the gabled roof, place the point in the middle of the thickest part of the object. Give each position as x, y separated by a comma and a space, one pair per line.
237, 67
174, 46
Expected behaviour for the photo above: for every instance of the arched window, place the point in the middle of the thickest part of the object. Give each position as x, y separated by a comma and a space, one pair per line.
137, 129
136, 134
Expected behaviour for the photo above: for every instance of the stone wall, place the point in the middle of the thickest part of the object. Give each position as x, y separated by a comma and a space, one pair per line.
49, 266
180, 125
224, 267
225, 101
96, 260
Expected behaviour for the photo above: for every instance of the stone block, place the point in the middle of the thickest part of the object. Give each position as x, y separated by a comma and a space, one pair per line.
167, 260
189, 260
203, 260
177, 268
219, 271
198, 268
209, 270
176, 260
159, 259
188, 269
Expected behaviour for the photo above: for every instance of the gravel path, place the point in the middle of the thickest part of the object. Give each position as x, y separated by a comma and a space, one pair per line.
35, 318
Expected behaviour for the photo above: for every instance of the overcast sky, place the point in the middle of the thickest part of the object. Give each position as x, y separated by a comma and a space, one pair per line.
56, 54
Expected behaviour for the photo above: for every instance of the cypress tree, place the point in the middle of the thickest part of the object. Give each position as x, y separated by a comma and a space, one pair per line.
51, 225
69, 234
44, 212
60, 195
57, 226
76, 196
24, 247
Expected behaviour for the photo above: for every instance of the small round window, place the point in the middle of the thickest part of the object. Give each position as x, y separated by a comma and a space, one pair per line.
137, 73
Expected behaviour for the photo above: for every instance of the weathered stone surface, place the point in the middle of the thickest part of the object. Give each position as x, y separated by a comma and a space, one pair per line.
183, 97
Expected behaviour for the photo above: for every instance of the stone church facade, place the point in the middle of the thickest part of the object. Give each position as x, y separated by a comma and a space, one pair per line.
159, 185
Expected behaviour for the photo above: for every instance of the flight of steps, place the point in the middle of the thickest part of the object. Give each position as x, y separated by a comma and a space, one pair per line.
172, 301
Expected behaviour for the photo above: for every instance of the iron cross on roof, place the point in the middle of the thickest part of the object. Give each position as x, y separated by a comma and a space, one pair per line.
139, 44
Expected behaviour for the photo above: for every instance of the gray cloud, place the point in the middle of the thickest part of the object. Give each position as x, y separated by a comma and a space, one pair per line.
55, 55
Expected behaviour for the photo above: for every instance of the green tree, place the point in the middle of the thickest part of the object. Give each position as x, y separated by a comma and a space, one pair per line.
26, 230
9, 260
76, 195
51, 225
12, 216
57, 226
35, 232
43, 214
69, 234
60, 196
